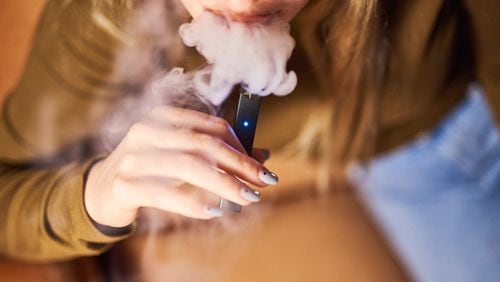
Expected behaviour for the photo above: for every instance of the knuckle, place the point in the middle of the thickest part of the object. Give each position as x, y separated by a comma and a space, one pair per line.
129, 144
139, 134
218, 146
138, 129
174, 113
246, 163
189, 162
221, 123
126, 165
200, 138
164, 112
223, 180
231, 186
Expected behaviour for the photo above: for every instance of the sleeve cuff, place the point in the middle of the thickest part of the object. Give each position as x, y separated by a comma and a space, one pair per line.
97, 232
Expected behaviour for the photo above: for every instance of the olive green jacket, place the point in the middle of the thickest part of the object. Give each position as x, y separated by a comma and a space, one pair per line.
46, 128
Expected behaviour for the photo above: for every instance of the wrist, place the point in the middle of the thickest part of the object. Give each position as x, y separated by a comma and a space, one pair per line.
103, 208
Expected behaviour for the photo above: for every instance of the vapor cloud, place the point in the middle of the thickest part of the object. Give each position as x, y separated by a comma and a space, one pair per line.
254, 55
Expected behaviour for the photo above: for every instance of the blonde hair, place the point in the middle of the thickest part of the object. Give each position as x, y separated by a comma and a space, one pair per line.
343, 40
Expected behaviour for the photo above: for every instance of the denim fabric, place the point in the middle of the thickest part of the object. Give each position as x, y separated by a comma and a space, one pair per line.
437, 200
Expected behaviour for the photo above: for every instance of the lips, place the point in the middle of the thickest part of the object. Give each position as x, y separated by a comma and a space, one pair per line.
246, 17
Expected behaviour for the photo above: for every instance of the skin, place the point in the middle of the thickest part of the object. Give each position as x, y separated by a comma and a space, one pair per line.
174, 148
247, 10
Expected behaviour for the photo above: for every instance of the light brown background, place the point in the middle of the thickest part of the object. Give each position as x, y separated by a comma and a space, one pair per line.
17, 25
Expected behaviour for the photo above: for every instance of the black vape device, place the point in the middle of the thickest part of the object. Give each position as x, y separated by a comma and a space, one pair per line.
244, 127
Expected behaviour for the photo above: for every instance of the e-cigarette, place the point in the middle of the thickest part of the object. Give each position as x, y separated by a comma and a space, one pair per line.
244, 127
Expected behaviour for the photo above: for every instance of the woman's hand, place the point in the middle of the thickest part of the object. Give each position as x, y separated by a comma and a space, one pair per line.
160, 156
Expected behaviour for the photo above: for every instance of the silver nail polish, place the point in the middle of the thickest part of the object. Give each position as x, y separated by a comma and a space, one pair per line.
250, 195
268, 177
214, 211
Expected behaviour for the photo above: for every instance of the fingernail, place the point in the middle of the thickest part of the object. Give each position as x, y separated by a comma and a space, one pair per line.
214, 211
268, 177
250, 195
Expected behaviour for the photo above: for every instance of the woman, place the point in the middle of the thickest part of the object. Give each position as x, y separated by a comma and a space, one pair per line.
390, 72
74, 197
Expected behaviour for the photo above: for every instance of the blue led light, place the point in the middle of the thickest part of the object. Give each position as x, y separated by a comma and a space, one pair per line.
246, 124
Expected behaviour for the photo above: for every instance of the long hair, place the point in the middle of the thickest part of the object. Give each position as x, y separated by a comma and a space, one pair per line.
343, 40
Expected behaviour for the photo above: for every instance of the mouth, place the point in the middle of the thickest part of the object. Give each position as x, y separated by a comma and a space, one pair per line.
256, 18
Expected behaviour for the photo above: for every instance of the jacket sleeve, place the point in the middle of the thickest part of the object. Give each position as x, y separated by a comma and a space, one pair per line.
67, 85
65, 91
484, 16
43, 215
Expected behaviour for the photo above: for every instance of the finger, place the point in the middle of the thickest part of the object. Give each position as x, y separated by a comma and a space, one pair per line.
211, 148
188, 168
261, 154
226, 158
198, 121
159, 193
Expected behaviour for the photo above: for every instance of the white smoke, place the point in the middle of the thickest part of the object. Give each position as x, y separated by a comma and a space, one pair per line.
254, 55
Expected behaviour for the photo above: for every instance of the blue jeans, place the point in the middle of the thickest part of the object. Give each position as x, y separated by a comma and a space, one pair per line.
437, 200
